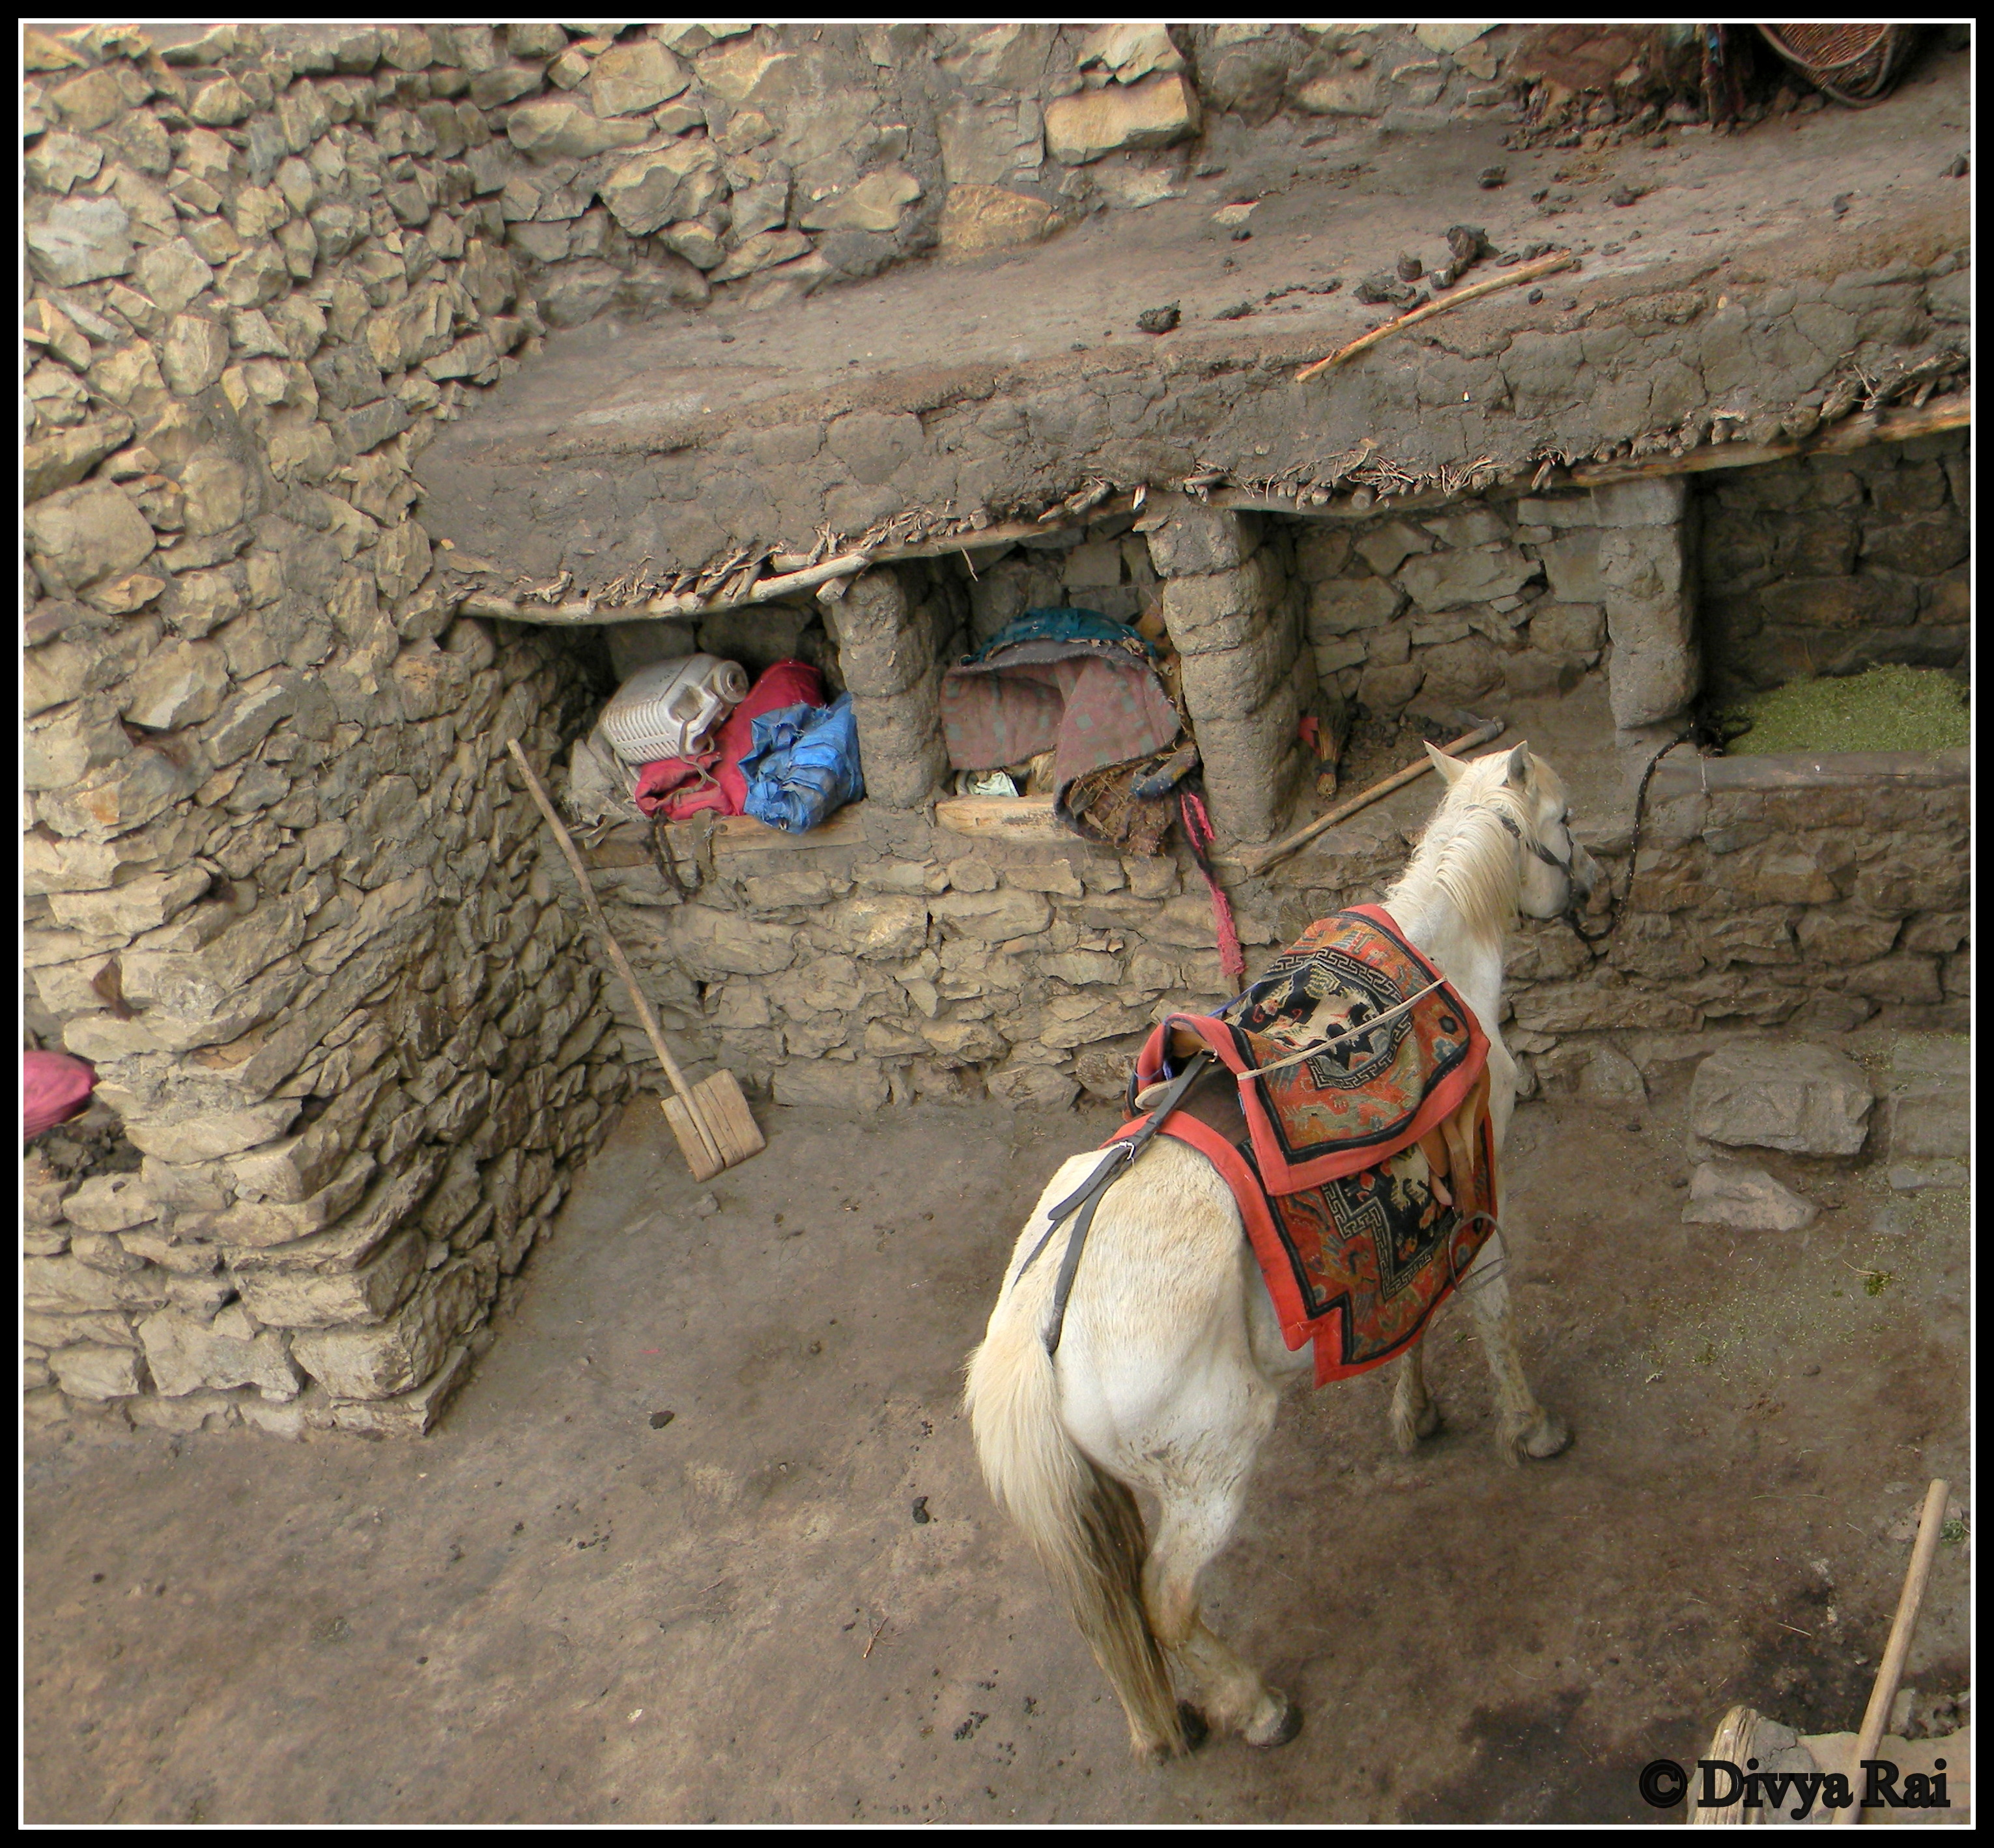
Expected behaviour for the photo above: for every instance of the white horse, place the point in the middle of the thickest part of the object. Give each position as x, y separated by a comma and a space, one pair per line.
1169, 1364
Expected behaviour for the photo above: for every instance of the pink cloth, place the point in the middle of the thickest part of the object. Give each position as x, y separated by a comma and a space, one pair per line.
674, 787
54, 1088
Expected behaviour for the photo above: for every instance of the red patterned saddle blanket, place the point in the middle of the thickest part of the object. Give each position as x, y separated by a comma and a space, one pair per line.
1354, 1135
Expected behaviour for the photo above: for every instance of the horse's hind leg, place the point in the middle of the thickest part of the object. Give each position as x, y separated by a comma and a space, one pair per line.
1523, 1426
1414, 1414
1194, 1527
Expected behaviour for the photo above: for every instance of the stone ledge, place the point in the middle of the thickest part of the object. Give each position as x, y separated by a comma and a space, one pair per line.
1690, 775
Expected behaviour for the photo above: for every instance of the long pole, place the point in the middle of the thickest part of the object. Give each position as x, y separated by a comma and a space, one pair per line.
651, 1029
1267, 856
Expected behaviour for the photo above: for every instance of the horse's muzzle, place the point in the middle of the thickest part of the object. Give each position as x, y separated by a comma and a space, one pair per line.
1585, 874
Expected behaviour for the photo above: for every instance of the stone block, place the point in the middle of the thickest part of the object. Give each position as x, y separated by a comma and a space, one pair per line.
1386, 546
1451, 580
1197, 541
1804, 1099
186, 1355
1747, 1199
215, 1133
1347, 605
711, 943
1929, 1119
378, 1363
109, 1203
1154, 114
90, 1372
282, 1298
74, 241
628, 79
80, 537
843, 1084
1031, 1087
1612, 1079
412, 1414
977, 220
996, 917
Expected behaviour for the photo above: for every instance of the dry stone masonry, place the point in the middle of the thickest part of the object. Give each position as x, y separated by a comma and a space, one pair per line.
282, 892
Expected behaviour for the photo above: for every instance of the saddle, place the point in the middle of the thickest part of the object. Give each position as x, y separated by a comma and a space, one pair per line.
1354, 1133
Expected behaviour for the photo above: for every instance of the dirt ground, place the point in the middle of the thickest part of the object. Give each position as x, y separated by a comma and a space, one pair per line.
561, 1608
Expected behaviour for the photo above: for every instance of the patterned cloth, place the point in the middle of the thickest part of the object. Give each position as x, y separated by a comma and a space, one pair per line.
1362, 1220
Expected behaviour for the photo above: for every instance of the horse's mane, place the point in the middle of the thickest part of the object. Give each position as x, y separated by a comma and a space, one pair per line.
1468, 856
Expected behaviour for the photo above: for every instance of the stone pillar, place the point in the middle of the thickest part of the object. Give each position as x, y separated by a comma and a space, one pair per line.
1630, 558
885, 651
1238, 632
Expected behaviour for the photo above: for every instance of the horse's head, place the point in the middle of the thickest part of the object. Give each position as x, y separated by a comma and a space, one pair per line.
1555, 875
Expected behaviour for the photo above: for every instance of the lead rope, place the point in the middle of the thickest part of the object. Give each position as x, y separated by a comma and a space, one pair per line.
1232, 958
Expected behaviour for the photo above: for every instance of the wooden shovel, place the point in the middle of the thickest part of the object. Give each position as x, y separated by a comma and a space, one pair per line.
1931, 1525
710, 1119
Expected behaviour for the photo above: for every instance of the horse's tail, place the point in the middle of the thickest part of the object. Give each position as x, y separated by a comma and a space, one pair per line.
1084, 1525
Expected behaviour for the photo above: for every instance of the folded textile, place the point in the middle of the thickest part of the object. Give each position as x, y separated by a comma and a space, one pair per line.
802, 765
54, 1088
674, 787
1069, 681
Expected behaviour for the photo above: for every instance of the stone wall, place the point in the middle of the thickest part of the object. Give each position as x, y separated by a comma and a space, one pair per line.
1829, 566
1526, 596
280, 889
896, 959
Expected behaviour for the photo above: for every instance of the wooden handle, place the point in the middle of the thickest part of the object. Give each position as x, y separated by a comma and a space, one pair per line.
1930, 1523
1267, 856
609, 943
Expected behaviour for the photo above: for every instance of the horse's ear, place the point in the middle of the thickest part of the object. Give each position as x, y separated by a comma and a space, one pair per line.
1519, 772
1451, 769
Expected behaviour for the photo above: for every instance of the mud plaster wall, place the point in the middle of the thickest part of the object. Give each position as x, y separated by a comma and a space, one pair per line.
1828, 566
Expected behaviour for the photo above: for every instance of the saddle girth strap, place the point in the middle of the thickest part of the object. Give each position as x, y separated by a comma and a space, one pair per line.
1122, 1155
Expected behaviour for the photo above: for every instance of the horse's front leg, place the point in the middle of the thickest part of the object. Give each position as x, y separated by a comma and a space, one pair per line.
1523, 1426
1414, 1414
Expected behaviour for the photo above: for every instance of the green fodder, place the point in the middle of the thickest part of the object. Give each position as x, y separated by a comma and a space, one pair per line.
1885, 708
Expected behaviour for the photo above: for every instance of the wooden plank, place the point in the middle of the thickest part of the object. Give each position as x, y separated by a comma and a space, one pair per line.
1024, 818
742, 834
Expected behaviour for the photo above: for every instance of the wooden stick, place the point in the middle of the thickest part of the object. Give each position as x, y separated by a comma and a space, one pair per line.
1524, 272
1930, 1523
609, 943
1267, 856
1841, 438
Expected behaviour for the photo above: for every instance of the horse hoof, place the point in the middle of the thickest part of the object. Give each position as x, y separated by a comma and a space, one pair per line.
1409, 1428
1195, 1730
1278, 1728
1544, 1438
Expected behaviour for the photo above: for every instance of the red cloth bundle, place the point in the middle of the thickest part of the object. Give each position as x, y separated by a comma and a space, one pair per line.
674, 787
54, 1088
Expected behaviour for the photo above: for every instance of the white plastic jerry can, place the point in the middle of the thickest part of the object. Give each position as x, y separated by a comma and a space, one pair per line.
671, 709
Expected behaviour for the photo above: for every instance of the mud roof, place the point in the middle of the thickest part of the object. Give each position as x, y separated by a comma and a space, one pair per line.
1727, 286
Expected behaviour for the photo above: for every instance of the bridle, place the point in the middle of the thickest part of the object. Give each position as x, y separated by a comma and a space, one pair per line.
1570, 914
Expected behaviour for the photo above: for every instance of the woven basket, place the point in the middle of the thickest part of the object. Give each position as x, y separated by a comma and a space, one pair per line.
1855, 64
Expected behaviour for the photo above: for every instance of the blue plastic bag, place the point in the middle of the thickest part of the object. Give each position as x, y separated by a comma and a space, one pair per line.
802, 764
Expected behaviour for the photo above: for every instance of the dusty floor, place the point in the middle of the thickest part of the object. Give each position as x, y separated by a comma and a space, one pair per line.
554, 1610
